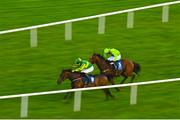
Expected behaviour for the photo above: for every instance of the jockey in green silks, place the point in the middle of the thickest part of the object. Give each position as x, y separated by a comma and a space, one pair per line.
114, 56
83, 66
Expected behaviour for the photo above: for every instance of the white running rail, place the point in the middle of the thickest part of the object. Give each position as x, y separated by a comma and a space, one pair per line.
101, 28
77, 97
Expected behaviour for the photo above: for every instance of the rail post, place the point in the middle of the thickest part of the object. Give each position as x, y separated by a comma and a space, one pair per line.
165, 13
130, 19
33, 38
133, 95
24, 107
77, 101
68, 31
101, 25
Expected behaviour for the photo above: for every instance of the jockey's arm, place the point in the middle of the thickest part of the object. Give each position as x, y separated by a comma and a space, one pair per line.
80, 68
115, 53
116, 58
104, 55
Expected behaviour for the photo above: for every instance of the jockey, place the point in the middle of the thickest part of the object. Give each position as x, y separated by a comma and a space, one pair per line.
114, 56
83, 66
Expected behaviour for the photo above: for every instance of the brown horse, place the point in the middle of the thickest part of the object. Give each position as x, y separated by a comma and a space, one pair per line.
76, 79
130, 68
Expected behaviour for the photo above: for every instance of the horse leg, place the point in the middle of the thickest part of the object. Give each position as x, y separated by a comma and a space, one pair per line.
113, 83
109, 93
67, 96
125, 77
106, 93
71, 94
132, 79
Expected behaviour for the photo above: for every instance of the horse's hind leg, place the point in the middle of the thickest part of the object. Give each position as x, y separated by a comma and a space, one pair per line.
132, 79
125, 77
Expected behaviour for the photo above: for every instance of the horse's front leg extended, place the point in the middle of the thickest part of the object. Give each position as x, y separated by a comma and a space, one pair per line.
109, 93
113, 83
68, 95
132, 79
106, 93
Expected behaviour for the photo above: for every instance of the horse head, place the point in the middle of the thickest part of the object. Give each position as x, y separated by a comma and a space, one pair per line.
94, 58
101, 62
64, 75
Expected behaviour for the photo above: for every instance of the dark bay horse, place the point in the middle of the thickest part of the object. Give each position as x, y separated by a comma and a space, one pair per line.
76, 79
130, 68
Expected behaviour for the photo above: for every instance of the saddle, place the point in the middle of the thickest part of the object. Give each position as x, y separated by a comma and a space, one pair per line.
118, 65
87, 79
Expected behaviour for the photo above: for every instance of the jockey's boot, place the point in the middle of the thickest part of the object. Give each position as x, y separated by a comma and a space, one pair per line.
118, 65
86, 82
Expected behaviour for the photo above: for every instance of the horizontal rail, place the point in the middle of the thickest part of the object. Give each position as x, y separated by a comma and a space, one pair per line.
90, 88
89, 17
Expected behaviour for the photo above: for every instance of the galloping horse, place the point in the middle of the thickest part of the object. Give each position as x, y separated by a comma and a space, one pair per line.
130, 68
76, 79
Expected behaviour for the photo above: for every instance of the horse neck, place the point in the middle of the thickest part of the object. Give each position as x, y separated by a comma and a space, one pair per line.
73, 76
102, 64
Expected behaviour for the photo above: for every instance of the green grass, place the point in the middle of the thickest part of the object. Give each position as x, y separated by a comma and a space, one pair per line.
151, 43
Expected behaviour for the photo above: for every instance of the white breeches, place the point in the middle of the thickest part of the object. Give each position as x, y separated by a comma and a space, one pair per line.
88, 70
112, 58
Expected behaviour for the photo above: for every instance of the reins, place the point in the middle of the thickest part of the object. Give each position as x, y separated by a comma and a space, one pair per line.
76, 79
105, 70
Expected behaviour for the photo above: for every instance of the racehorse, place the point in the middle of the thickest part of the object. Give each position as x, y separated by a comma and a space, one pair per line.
76, 79
130, 68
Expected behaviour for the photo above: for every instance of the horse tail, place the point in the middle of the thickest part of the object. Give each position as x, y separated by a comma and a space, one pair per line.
137, 68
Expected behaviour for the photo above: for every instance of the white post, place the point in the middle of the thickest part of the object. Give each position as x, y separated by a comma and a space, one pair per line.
101, 25
77, 101
33, 38
24, 106
133, 96
68, 31
165, 13
130, 20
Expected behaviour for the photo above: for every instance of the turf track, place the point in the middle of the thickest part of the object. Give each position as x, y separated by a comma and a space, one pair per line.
23, 69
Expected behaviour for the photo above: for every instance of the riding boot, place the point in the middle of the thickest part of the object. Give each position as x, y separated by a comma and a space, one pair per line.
87, 79
118, 65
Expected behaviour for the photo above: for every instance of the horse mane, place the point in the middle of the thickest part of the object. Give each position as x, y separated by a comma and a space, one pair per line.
67, 70
100, 56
